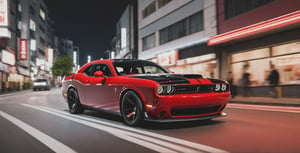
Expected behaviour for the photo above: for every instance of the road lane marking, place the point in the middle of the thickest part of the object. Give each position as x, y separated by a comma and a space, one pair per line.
151, 134
149, 145
50, 142
162, 140
113, 131
266, 108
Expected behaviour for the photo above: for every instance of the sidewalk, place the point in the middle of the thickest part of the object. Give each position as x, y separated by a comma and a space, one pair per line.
266, 101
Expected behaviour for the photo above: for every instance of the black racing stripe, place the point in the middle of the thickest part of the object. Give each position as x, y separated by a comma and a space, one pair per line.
189, 76
164, 79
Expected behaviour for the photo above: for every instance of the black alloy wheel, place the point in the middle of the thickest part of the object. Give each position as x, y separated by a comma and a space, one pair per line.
74, 103
132, 109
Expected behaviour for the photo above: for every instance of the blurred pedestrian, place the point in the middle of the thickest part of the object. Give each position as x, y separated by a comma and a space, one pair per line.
274, 80
233, 88
246, 81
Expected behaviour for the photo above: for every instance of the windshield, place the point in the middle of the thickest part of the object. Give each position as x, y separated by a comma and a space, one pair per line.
137, 67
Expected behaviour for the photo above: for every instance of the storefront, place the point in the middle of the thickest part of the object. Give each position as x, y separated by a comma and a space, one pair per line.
199, 59
274, 42
285, 57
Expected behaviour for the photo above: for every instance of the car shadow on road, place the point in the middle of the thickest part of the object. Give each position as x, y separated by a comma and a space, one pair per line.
154, 125
180, 125
104, 115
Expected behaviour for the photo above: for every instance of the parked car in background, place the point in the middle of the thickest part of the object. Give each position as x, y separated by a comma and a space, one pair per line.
41, 84
142, 90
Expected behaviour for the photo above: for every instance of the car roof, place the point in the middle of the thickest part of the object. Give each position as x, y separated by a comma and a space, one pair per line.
109, 61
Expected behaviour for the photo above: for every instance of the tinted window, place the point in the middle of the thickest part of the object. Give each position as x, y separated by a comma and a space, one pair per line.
137, 67
90, 70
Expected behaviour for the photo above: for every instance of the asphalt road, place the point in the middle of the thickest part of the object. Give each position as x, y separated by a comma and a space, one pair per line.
38, 121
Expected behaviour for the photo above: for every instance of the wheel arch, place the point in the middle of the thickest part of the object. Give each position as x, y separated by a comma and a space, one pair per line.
73, 87
136, 92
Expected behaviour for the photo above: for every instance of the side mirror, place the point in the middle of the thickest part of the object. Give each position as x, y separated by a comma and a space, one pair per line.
98, 74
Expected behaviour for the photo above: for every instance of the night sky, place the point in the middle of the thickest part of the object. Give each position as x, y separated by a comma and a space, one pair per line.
91, 24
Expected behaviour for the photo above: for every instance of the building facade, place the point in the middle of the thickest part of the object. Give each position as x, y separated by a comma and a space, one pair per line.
174, 34
126, 38
252, 35
27, 43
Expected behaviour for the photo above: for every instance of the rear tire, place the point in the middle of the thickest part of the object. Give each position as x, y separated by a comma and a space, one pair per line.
132, 109
74, 103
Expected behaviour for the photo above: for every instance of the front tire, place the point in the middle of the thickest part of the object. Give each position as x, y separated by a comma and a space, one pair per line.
132, 109
74, 103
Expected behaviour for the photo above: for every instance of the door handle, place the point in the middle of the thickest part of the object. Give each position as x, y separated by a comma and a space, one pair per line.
87, 80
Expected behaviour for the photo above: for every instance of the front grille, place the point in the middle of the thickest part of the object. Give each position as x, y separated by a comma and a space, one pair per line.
194, 89
195, 111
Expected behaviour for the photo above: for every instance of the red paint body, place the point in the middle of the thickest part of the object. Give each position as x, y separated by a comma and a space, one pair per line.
93, 93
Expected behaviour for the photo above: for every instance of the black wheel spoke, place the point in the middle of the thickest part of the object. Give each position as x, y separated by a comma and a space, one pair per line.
130, 101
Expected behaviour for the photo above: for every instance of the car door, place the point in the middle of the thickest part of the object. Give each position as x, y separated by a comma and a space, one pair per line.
100, 93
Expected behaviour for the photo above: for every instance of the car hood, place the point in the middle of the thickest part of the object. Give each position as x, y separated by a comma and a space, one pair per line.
165, 79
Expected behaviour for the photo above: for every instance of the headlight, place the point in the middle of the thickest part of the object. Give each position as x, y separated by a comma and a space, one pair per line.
160, 90
218, 87
165, 90
223, 87
170, 89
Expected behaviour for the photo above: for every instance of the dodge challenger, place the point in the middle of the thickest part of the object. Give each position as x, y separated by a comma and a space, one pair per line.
141, 90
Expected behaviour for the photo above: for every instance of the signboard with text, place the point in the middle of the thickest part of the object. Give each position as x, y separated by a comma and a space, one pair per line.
168, 59
23, 49
3, 12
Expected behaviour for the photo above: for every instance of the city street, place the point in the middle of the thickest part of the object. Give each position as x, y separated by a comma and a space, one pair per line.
39, 122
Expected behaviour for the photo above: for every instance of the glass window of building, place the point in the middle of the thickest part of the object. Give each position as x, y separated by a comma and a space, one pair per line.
196, 23
19, 25
162, 3
149, 9
149, 41
42, 14
285, 58
19, 7
236, 7
32, 25
182, 28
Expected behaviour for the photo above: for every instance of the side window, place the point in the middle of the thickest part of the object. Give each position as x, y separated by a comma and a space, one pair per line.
102, 67
106, 71
89, 70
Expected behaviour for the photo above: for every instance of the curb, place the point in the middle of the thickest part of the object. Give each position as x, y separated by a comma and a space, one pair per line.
266, 103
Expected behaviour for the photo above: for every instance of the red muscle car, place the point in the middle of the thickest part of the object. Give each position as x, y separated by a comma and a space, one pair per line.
141, 90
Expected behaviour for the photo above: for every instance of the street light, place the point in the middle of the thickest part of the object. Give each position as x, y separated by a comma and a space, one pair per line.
88, 58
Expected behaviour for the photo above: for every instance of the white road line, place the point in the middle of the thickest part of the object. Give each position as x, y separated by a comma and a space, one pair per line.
166, 139
266, 108
50, 142
149, 145
113, 131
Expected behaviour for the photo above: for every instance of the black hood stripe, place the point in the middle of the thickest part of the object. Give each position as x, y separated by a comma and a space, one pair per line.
164, 79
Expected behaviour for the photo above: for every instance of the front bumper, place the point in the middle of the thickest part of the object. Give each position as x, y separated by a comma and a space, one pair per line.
188, 106
41, 87
222, 114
